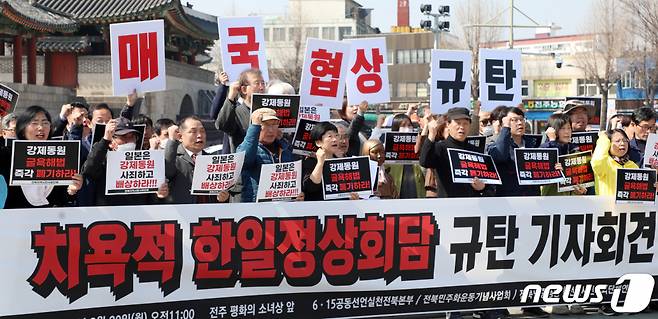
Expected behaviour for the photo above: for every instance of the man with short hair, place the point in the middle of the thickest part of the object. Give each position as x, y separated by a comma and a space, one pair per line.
8, 126
233, 118
119, 136
187, 141
261, 146
71, 119
160, 128
644, 119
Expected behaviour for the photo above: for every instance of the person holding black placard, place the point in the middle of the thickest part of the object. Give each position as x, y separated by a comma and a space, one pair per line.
409, 178
611, 152
644, 119
34, 124
512, 136
261, 146
559, 137
325, 137
386, 187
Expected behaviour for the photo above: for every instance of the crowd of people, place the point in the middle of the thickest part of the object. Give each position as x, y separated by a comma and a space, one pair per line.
258, 135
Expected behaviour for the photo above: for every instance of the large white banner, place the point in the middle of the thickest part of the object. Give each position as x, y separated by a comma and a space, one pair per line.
324, 72
138, 57
242, 45
451, 80
500, 78
367, 77
327, 259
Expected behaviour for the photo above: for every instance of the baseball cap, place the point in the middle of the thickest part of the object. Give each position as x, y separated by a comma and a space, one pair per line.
457, 113
124, 127
268, 114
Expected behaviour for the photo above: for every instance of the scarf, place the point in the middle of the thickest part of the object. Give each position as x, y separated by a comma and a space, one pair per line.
36, 194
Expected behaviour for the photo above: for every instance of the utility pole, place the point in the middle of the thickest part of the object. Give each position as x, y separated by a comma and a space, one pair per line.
439, 26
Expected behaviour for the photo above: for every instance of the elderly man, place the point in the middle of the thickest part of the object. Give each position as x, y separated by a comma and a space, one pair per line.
8, 125
233, 118
187, 141
261, 146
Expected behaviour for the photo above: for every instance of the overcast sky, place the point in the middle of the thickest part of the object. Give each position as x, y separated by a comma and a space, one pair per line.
568, 14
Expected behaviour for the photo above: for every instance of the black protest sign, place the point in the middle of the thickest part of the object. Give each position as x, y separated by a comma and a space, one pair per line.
536, 166
478, 141
98, 133
343, 176
577, 171
400, 147
466, 165
44, 162
141, 128
285, 106
532, 140
636, 185
585, 140
8, 100
302, 143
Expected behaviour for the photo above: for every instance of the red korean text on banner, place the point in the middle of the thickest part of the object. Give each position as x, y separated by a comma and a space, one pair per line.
323, 74
367, 79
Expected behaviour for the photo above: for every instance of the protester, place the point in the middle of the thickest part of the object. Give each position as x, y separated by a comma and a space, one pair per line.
434, 153
233, 118
70, 121
511, 137
277, 87
409, 179
222, 82
325, 137
186, 143
8, 125
101, 113
433, 187
610, 153
34, 124
644, 119
559, 137
343, 138
496, 123
160, 128
386, 187
486, 127
119, 135
261, 146
359, 132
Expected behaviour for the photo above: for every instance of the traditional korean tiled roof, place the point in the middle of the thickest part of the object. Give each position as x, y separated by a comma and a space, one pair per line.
89, 12
63, 44
24, 13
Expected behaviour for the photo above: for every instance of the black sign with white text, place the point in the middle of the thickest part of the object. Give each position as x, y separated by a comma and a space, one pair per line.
466, 165
636, 185
536, 166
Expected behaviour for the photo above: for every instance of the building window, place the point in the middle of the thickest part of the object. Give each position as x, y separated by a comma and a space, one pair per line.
329, 33
313, 32
390, 57
266, 34
587, 87
390, 89
279, 34
344, 31
428, 56
421, 89
524, 87
294, 34
413, 56
402, 90
406, 56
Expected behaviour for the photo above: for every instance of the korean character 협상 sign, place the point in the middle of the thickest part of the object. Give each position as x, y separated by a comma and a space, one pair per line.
138, 57
367, 78
44, 162
500, 78
134, 172
451, 80
280, 181
325, 68
636, 186
536, 166
466, 165
242, 46
216, 173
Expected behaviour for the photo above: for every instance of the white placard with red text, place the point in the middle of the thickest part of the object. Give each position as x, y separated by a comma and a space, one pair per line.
651, 150
450, 85
138, 57
324, 73
367, 76
242, 46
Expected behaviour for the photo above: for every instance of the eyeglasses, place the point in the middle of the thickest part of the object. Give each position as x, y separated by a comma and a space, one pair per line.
42, 124
647, 127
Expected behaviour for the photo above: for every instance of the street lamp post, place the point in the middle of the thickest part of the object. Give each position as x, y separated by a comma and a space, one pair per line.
439, 25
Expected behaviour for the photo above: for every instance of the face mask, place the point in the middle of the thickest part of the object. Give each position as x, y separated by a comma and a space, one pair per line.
126, 147
488, 130
406, 129
163, 143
